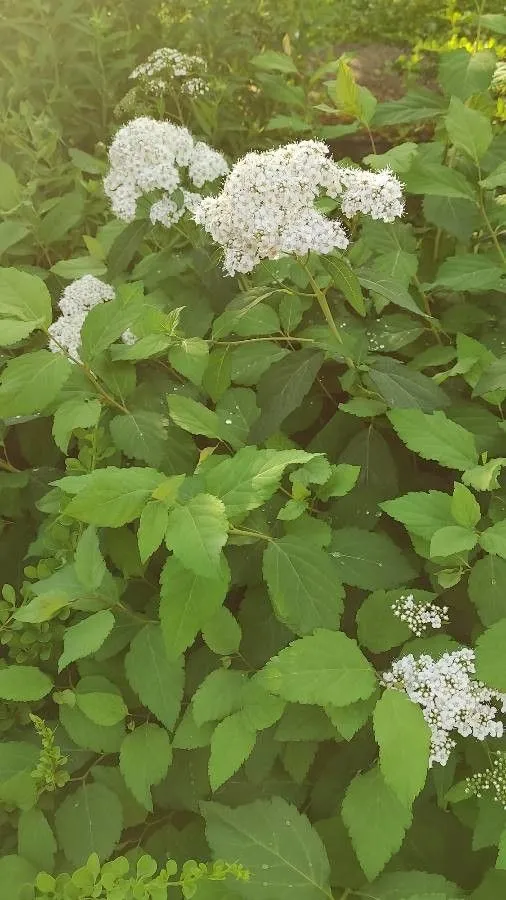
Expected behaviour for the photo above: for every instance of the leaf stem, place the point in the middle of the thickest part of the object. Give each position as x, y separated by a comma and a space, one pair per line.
246, 533
7, 466
490, 228
322, 300
292, 337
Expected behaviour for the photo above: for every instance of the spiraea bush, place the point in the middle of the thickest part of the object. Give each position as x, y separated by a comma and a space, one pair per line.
253, 526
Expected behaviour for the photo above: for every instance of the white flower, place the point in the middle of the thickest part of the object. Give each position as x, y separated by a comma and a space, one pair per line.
266, 208
450, 697
187, 69
148, 155
128, 337
419, 616
76, 301
491, 780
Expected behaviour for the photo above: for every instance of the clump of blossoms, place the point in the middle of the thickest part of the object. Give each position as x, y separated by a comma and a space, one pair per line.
419, 617
173, 65
147, 155
75, 303
450, 697
492, 780
266, 208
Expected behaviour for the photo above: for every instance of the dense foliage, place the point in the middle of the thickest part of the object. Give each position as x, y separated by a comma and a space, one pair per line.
252, 502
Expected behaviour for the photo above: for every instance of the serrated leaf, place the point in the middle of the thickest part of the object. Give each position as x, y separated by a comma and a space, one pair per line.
403, 737
378, 628
111, 497
376, 821
282, 389
222, 633
36, 841
345, 279
197, 418
197, 532
24, 683
106, 322
465, 507
187, 602
435, 180
268, 836
452, 539
403, 388
89, 563
493, 539
190, 358
470, 272
89, 821
25, 305
490, 659
144, 759
435, 437
156, 679
231, 744
141, 434
17, 876
487, 588
219, 695
369, 560
324, 668
421, 513
462, 74
468, 129
42, 608
272, 61
85, 637
31, 382
152, 527
303, 584
102, 708
73, 414
390, 289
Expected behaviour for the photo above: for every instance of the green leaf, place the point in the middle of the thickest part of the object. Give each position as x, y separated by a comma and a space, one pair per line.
42, 608
245, 481
31, 382
102, 708
468, 129
10, 189
89, 821
490, 659
124, 247
249, 361
73, 414
219, 695
11, 232
81, 730
17, 875
197, 418
390, 289
218, 374
89, 563
112, 497
267, 836
303, 583
282, 389
400, 885
342, 480
187, 603
324, 668
415, 106
106, 322
17, 786
435, 437
465, 507
86, 637
231, 744
403, 388
452, 539
462, 74
222, 633
66, 213
36, 841
487, 588
144, 760
271, 61
421, 513
403, 737
24, 683
377, 627
376, 821
156, 679
369, 560
350, 719
435, 180
470, 272
25, 305
452, 214
190, 358
197, 532
79, 266
493, 539
344, 278
152, 527
141, 434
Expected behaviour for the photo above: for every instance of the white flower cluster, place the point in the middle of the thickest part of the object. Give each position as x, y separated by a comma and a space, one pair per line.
499, 78
450, 698
147, 155
492, 780
419, 617
76, 301
187, 69
266, 208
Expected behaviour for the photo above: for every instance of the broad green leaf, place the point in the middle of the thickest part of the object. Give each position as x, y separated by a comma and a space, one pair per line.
11, 232
106, 322
435, 180
196, 418
144, 759
61, 218
190, 358
89, 563
435, 437
10, 189
124, 247
141, 435
344, 278
470, 272
85, 638
465, 507
376, 821
79, 266
271, 61
493, 539
112, 497
89, 821
222, 633
324, 668
276, 843
415, 106
487, 588
468, 129
24, 683
403, 737
152, 527
83, 731
455, 215
189, 735
400, 885
17, 875
25, 305
390, 289
249, 361
377, 627
452, 539
17, 762
497, 178
219, 695
245, 481
42, 608
305, 723
369, 560
36, 841
347, 720
237, 410
421, 513
304, 584
197, 532
187, 602
156, 679
403, 388
490, 658
231, 744
102, 708
71, 415
282, 389
343, 479
462, 74
218, 374
247, 315
259, 708
31, 382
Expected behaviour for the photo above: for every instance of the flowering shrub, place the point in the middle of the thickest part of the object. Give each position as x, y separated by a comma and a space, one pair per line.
253, 542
